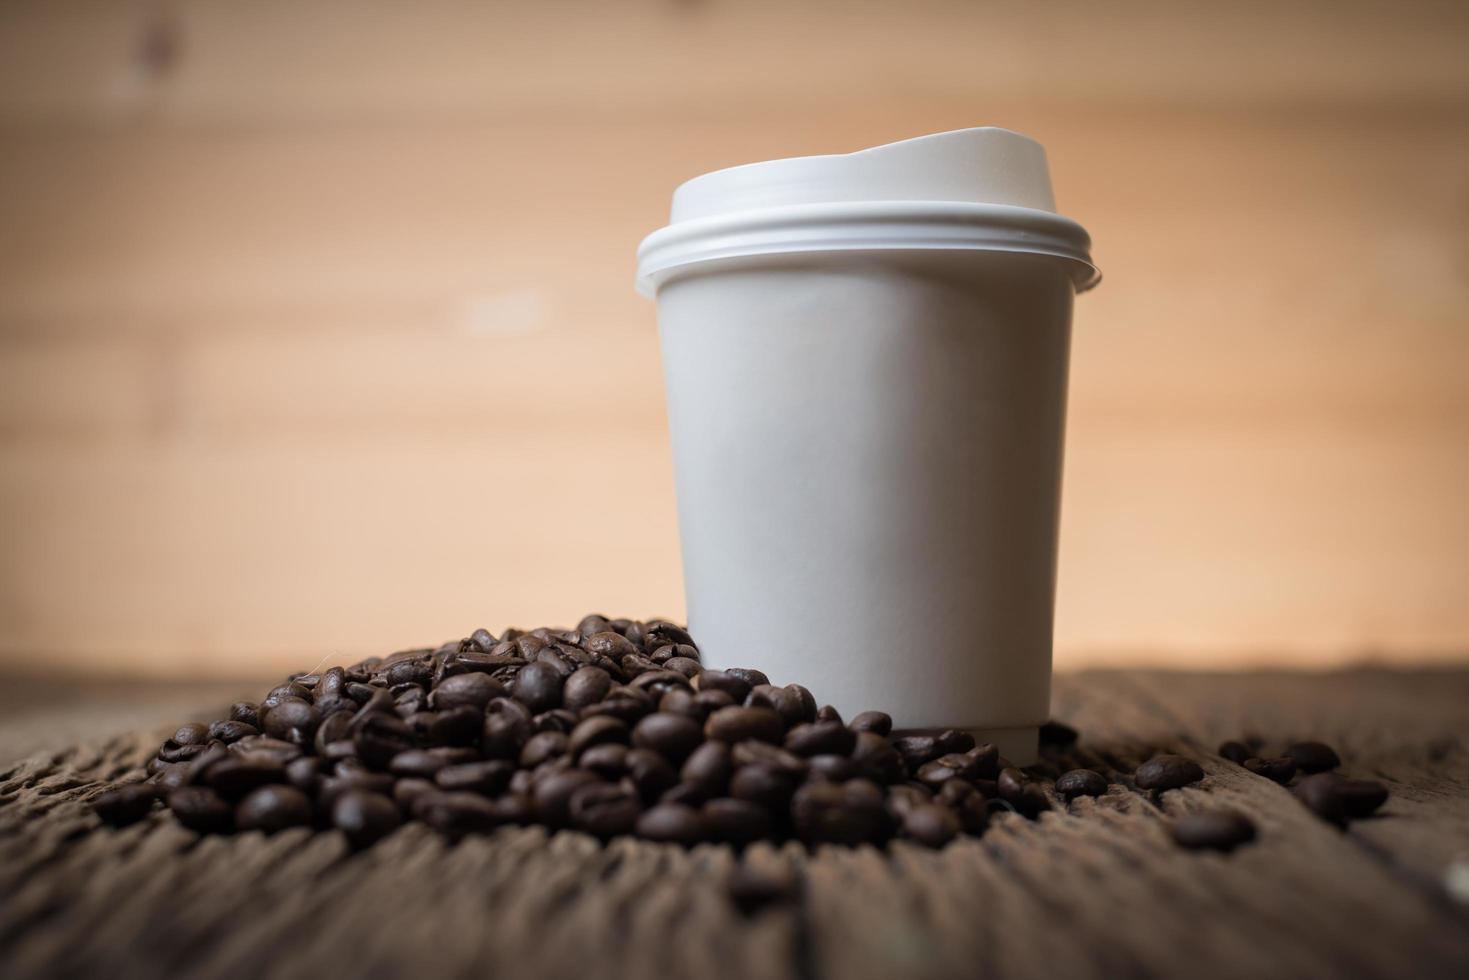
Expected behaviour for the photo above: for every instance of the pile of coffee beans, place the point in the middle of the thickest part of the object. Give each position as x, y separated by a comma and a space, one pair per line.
612, 728
1308, 768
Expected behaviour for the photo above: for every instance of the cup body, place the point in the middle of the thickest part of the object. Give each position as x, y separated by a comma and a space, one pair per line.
867, 449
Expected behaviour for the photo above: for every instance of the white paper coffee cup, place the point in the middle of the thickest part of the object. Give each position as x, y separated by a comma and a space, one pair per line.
866, 359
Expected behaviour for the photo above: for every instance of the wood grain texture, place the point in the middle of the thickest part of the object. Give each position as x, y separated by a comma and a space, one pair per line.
1095, 889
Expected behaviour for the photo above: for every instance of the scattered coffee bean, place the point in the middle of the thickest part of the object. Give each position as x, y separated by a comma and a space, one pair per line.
125, 804
1313, 757
1167, 772
1236, 752
1218, 830
273, 808
1337, 799
1080, 782
1276, 770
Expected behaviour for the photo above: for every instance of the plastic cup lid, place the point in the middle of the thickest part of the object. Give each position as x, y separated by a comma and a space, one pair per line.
983, 189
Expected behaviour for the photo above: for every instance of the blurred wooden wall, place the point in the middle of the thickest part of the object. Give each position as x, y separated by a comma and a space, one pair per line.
317, 330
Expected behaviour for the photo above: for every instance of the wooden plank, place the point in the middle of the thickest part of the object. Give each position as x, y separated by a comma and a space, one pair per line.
1092, 890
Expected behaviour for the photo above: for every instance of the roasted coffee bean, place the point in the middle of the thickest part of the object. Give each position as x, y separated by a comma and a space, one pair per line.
635, 665
245, 711
650, 773
609, 644
659, 682
1080, 782
304, 773
905, 797
749, 675
488, 778
408, 672
931, 825
1276, 770
231, 731
259, 746
1337, 799
708, 769
751, 752
1057, 735
627, 704
605, 810
718, 680
191, 734
735, 724
592, 623
1217, 830
1313, 757
506, 729
793, 703
380, 737
947, 767
680, 701
273, 808
125, 805
764, 785
551, 794
416, 762
606, 760
671, 736
821, 738
202, 809
953, 742
455, 727
850, 813
832, 768
335, 727
916, 750
827, 713
555, 720
365, 818
1165, 772
1011, 784
684, 665
686, 793
986, 761
457, 814
586, 686
407, 791
334, 786
595, 731
240, 773
736, 822
543, 746
672, 823
877, 722
538, 687
467, 690
875, 758
1236, 752
179, 753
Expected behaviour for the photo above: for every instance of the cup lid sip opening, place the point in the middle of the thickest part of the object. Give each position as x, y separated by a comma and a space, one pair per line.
980, 189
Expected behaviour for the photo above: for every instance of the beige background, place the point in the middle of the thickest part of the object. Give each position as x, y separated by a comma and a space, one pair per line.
317, 332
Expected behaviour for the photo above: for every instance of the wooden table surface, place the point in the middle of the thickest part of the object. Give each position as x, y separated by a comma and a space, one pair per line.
1093, 889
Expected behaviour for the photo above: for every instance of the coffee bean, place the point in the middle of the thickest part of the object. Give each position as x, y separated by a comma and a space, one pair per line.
877, 722
736, 822
1236, 752
488, 778
821, 738
605, 810
793, 703
718, 680
931, 825
827, 713
833, 768
245, 711
916, 750
201, 809
191, 734
538, 687
650, 773
1276, 770
947, 767
552, 794
407, 791
1166, 772
1057, 735
684, 665
457, 814
750, 676
1218, 830
304, 773
850, 813
334, 786
765, 785
1080, 782
607, 760
125, 805
364, 818
272, 809
876, 758
952, 741
986, 761
708, 769
416, 762
409, 672
466, 690
586, 686
379, 738
672, 736
672, 823
542, 746
1313, 757
735, 724
609, 644
1338, 799
627, 704
595, 731
231, 731
239, 774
